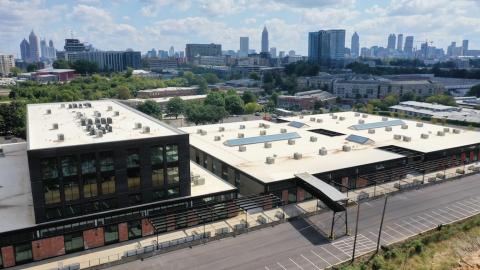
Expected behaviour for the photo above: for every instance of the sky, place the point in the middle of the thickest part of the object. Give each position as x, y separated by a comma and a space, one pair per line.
146, 24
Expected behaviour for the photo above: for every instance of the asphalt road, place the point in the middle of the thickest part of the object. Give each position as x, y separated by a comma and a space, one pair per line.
298, 244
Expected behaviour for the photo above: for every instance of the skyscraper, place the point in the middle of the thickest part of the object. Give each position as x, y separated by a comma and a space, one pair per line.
25, 50
265, 40
74, 45
355, 45
7, 62
399, 42
273, 52
327, 47
51, 50
171, 52
34, 51
465, 47
408, 48
391, 42
243, 46
43, 49
194, 50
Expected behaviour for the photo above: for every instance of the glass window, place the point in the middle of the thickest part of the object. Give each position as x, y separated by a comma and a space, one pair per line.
172, 153
109, 204
106, 161
73, 242
73, 210
133, 178
90, 188
108, 184
51, 191
172, 176
134, 229
111, 234
135, 199
133, 159
158, 195
157, 155
91, 207
88, 164
49, 168
71, 190
69, 165
23, 253
53, 213
157, 177
173, 192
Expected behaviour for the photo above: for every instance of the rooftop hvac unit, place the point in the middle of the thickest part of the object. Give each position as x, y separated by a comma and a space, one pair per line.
263, 132
270, 160
301, 117
404, 126
319, 120
357, 114
197, 180
203, 132
334, 116
99, 133
297, 156
242, 126
407, 138
97, 120
266, 126
117, 113
283, 130
70, 106
456, 131
371, 131
109, 128
313, 138
342, 118
361, 121
137, 125
364, 115
419, 124
446, 129
424, 136
146, 129
80, 105
221, 129
291, 141
60, 137
92, 131
312, 119
242, 148
103, 120
388, 128
240, 135
384, 118
267, 145
346, 148
216, 138
74, 105
397, 137
322, 151
62, 105
260, 124
55, 126
49, 111
109, 120
89, 121
99, 114
440, 133
199, 131
109, 108
83, 122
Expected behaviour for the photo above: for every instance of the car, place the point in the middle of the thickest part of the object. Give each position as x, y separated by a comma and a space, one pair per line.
257, 114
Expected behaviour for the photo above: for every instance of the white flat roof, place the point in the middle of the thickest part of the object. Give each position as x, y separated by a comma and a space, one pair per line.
253, 160
16, 203
167, 89
213, 184
42, 135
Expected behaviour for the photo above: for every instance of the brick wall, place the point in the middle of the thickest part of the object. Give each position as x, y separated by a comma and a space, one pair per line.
147, 227
122, 232
48, 247
285, 195
93, 238
8, 256
300, 194
193, 219
170, 223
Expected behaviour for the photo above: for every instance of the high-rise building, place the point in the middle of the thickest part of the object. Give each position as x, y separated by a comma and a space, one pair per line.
171, 52
465, 47
291, 53
34, 51
74, 45
355, 45
408, 48
273, 52
6, 63
193, 50
244, 46
25, 50
399, 42
51, 50
109, 60
281, 54
265, 40
43, 49
327, 47
391, 42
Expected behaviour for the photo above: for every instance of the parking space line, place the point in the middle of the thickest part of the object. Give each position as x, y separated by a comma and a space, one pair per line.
458, 212
309, 261
387, 234
406, 229
396, 231
382, 239
436, 218
468, 205
333, 255
448, 213
283, 267
414, 220
463, 209
426, 220
296, 263
314, 253
266, 268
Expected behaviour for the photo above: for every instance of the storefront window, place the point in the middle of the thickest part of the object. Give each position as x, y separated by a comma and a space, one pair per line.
108, 184
158, 195
158, 178
73, 242
23, 253
172, 153
111, 234
157, 155
134, 229
88, 164
172, 176
173, 192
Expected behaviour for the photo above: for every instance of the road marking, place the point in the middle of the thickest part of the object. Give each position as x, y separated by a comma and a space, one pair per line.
387, 234
283, 267
403, 227
326, 250
414, 220
464, 209
448, 213
266, 268
314, 253
397, 231
309, 261
426, 220
458, 212
437, 219
466, 205
296, 263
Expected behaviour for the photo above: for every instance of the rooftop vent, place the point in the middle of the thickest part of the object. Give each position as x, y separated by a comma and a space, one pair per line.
98, 114
456, 131
357, 114
283, 130
291, 142
221, 129
266, 126
92, 131
55, 126
388, 128
404, 126
137, 125
241, 135
146, 129
361, 121
371, 131
446, 129
48, 111
203, 132
407, 138
319, 120
297, 156
83, 122
62, 105
263, 132
99, 133
117, 113
267, 145
60, 137
384, 118
109, 120
313, 138
242, 148
346, 148
312, 119
109, 108
364, 115
334, 116
424, 136
322, 151
269, 160
419, 124
216, 138
242, 126
397, 137
109, 128
103, 120
301, 117
342, 118
440, 133
260, 124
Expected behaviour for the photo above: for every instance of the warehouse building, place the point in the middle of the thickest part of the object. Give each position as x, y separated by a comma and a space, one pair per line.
437, 111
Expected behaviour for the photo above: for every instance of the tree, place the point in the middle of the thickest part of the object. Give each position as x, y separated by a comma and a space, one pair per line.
32, 67
188, 75
234, 104
274, 98
252, 107
123, 92
15, 71
129, 72
61, 64
442, 99
84, 67
200, 114
248, 97
151, 108
215, 99
175, 106
211, 78
254, 76
474, 91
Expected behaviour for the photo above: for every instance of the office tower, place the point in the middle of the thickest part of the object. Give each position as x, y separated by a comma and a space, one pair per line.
51, 50
291, 53
109, 60
171, 52
264, 40
465, 47
355, 45
34, 51
25, 50
74, 45
281, 54
244, 46
327, 47
391, 42
193, 50
273, 52
399, 42
408, 48
6, 63
43, 49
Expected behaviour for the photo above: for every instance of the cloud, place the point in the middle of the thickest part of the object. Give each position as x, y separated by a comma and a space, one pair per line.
316, 3
152, 7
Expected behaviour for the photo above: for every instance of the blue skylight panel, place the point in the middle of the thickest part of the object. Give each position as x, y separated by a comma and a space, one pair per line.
262, 139
381, 124
296, 124
357, 139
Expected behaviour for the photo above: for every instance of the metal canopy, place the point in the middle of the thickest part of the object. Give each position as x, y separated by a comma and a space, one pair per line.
323, 191
262, 139
381, 124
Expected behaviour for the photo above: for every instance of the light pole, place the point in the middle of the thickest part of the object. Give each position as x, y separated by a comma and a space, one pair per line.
381, 223
356, 232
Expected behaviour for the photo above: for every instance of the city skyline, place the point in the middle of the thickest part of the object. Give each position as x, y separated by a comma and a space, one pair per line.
160, 24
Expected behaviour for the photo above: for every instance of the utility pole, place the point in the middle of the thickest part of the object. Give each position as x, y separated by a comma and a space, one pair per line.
356, 232
381, 222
